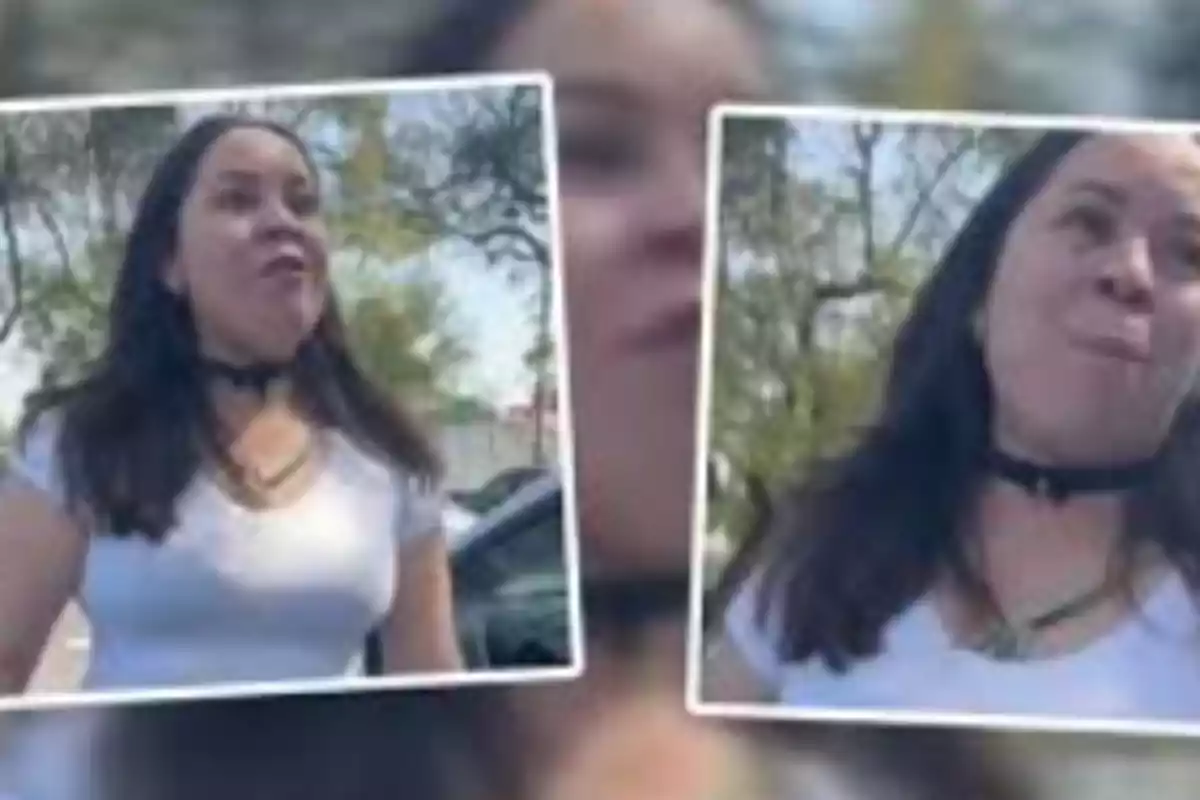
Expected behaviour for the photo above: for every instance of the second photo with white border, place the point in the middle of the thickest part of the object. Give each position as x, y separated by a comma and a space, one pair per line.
279, 388
950, 422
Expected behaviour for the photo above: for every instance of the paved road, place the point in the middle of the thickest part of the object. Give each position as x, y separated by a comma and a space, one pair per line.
65, 658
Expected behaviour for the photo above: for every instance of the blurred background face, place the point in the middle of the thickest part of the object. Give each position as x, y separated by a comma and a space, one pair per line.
251, 257
1093, 322
635, 81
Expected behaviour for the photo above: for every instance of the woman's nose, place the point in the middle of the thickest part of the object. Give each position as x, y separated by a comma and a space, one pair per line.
278, 217
1128, 273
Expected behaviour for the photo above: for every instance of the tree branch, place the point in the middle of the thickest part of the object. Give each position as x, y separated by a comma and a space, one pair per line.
866, 137
16, 266
540, 253
848, 290
52, 227
925, 197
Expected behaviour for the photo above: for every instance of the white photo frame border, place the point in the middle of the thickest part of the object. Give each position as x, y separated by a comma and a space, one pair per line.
695, 702
35, 701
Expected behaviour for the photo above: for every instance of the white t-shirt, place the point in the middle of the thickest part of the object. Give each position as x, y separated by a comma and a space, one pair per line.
240, 595
1147, 669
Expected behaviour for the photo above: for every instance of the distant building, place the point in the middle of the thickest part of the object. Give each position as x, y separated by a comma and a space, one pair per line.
478, 446
526, 413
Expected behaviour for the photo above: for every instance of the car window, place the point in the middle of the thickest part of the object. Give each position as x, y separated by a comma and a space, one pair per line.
511, 587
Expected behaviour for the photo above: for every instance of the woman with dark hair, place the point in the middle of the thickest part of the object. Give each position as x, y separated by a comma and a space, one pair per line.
634, 87
1016, 532
227, 495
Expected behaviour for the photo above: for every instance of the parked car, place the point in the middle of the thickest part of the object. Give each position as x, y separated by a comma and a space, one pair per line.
497, 489
510, 578
510, 583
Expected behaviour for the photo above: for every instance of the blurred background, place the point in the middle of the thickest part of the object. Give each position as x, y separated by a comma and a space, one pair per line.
1112, 57
1078, 56
438, 208
827, 229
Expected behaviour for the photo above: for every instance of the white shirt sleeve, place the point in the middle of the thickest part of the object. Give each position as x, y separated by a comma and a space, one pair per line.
758, 645
419, 512
36, 460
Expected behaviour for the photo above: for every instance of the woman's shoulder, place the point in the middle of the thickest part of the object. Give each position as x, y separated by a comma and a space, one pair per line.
370, 467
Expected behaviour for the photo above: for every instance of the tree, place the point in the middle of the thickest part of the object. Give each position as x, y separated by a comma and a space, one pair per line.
826, 228
399, 332
475, 172
72, 181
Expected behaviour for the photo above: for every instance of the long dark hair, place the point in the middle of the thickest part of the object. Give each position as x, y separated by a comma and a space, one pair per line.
438, 744
135, 429
859, 538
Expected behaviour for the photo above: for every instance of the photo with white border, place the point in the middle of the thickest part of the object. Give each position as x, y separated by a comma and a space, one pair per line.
946, 441
371, 485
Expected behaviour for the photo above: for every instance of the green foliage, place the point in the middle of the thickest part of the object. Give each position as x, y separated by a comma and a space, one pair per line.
399, 332
827, 231
475, 173
77, 176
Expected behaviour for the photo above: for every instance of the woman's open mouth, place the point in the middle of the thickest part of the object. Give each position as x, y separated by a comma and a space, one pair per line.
1119, 348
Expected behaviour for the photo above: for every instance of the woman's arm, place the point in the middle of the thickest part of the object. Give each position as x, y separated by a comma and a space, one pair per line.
42, 553
420, 634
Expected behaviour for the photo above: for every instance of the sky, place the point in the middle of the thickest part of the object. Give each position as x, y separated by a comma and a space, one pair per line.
821, 152
491, 314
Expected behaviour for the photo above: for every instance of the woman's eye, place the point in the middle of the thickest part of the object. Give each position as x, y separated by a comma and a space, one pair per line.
306, 204
1096, 224
1189, 254
237, 199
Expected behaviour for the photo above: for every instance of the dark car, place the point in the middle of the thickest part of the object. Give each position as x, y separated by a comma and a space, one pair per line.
499, 488
510, 584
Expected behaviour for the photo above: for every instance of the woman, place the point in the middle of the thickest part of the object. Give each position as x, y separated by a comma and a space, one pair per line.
1015, 532
225, 493
635, 87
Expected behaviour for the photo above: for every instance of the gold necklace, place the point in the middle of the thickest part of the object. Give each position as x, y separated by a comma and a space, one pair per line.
255, 492
1007, 640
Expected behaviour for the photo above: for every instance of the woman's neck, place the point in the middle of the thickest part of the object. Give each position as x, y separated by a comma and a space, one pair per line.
1028, 546
255, 422
1040, 510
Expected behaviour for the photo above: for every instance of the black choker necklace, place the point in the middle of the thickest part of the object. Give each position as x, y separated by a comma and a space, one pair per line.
621, 610
256, 378
1059, 483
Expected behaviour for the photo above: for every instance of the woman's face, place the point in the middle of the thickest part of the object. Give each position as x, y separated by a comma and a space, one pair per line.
251, 256
634, 84
1092, 327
